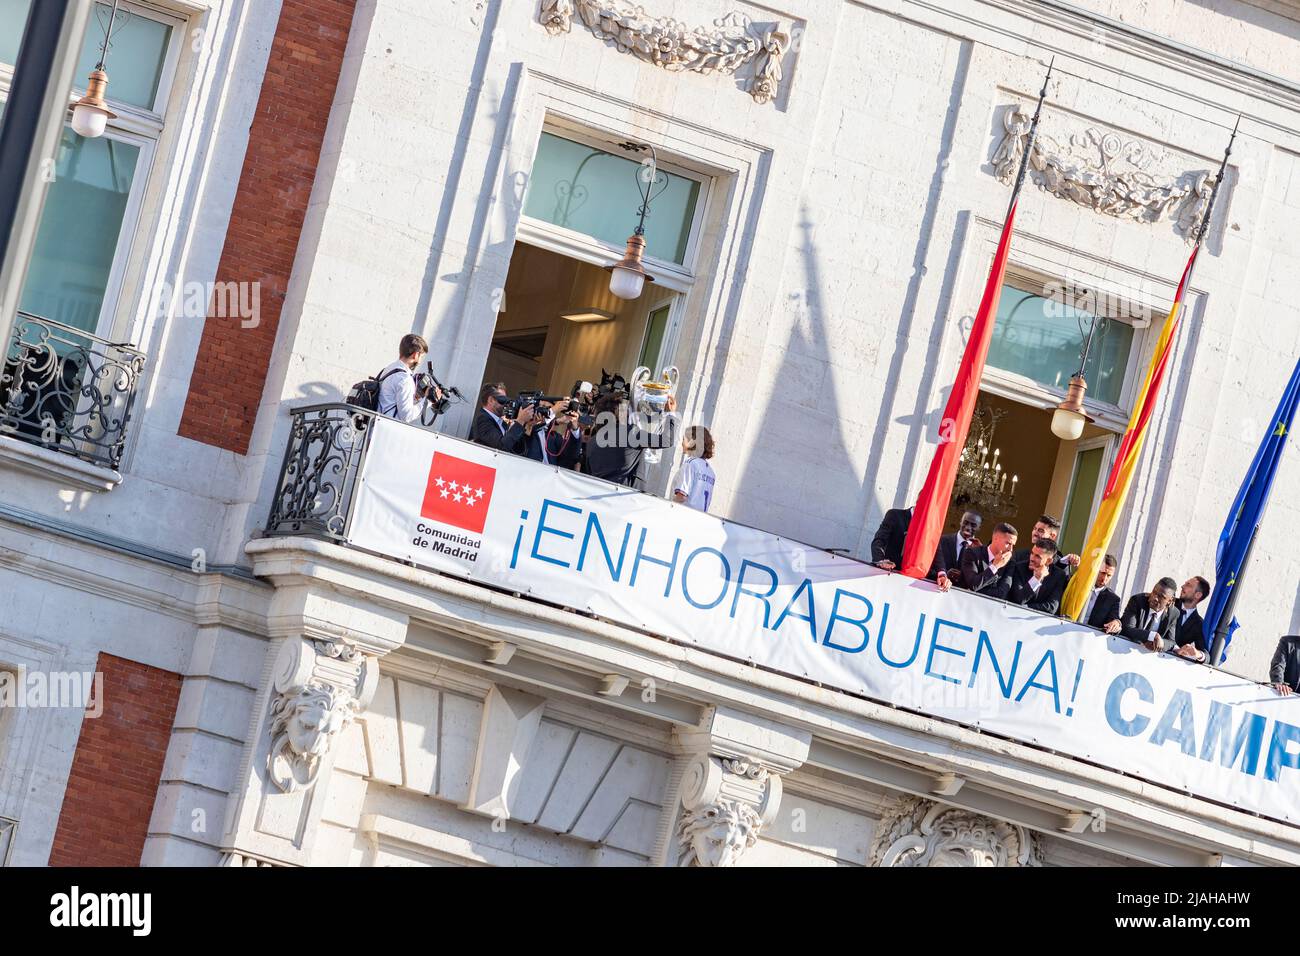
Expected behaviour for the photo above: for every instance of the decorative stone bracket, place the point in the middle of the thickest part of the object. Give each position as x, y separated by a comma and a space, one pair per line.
731, 788
1105, 172
321, 675
919, 832
319, 687
733, 42
725, 804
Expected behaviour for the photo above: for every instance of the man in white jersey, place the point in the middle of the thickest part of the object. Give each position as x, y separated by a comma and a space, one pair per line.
693, 483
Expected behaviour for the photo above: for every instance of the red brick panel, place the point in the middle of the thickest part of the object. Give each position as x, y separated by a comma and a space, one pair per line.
117, 766
284, 144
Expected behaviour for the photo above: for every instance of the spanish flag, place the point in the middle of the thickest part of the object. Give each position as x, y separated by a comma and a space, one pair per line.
932, 504
1130, 449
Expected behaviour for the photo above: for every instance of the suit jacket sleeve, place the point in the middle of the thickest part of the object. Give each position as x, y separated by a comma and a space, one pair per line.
880, 543
1277, 667
1130, 620
1194, 634
1105, 610
485, 430
978, 575
1048, 599
939, 563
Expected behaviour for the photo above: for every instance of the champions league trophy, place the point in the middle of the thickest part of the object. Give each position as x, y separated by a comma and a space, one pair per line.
650, 404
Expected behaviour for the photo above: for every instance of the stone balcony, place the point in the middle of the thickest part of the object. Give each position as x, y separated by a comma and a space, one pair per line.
721, 703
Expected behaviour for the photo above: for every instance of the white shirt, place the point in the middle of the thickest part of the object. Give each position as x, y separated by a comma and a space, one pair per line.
695, 480
496, 418
397, 393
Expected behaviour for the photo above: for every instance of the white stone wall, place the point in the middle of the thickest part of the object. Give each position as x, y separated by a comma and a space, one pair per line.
846, 243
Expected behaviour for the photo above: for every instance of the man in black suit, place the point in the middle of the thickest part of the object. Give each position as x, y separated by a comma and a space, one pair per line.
1102, 605
489, 428
947, 557
887, 545
1147, 619
984, 569
1047, 527
1284, 669
1036, 582
1189, 627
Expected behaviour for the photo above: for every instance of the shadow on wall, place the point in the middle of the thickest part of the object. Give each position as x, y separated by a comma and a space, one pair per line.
799, 453
894, 495
448, 332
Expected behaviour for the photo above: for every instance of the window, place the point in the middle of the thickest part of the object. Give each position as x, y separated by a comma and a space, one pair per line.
590, 190
136, 56
13, 17
655, 327
89, 217
1040, 338
1083, 492
81, 230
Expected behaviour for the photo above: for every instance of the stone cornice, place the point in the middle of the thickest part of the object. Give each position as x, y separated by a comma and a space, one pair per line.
200, 598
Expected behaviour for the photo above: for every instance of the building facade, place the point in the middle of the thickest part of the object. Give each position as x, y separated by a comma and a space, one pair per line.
289, 187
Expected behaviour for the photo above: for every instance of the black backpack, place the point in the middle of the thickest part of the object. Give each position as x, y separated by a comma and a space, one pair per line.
365, 394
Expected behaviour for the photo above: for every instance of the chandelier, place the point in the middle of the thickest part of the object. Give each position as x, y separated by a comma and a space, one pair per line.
981, 480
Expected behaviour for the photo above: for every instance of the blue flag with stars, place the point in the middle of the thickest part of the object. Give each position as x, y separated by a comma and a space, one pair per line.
1248, 509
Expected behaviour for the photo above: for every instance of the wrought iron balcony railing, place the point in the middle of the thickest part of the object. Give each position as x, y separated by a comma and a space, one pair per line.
327, 445
67, 390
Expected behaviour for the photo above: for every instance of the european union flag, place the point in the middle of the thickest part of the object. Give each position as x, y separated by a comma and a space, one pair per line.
1247, 511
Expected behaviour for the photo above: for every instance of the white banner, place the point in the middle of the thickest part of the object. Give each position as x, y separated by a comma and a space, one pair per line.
579, 542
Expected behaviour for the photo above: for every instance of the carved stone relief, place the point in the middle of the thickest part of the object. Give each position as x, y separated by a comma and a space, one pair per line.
1107, 172
725, 805
319, 688
924, 833
733, 42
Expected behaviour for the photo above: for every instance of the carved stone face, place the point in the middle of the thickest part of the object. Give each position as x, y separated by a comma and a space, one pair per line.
722, 842
720, 833
313, 724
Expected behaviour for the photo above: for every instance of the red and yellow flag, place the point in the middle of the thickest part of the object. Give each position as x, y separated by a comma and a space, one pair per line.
932, 505
1126, 459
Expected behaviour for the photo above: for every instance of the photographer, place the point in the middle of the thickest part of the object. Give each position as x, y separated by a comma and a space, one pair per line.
616, 446
399, 396
559, 441
491, 428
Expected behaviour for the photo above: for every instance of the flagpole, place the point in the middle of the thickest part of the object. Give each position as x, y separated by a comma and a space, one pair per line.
1225, 619
1029, 142
1203, 229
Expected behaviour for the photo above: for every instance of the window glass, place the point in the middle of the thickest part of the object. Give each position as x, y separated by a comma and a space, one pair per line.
654, 339
136, 54
13, 17
1040, 338
595, 192
80, 228
1078, 511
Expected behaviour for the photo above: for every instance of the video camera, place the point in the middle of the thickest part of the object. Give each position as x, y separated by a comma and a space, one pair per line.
526, 399
426, 381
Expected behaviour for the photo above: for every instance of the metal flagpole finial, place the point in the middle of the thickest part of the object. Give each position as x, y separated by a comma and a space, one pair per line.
1218, 181
1029, 141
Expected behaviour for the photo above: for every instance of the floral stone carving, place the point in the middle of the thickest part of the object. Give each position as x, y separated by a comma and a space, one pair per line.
1106, 172
924, 833
732, 43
